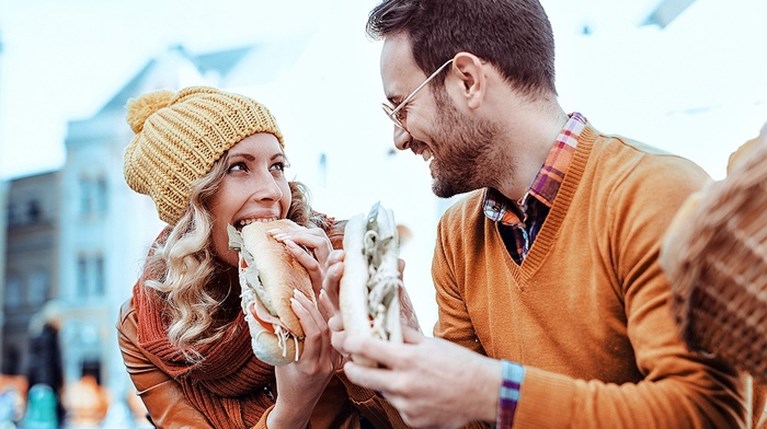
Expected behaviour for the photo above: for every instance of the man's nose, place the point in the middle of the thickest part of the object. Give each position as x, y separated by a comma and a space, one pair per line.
402, 138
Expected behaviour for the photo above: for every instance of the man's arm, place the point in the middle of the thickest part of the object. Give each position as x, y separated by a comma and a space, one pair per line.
436, 383
679, 389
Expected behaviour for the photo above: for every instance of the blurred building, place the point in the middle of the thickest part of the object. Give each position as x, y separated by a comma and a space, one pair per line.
4, 184
74, 239
31, 261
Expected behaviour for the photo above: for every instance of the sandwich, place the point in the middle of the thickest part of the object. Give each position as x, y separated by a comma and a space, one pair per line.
268, 273
369, 291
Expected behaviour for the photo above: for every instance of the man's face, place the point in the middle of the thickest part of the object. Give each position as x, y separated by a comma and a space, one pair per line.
466, 157
401, 76
458, 147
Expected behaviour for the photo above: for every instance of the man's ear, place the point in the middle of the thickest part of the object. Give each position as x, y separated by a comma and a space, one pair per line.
471, 72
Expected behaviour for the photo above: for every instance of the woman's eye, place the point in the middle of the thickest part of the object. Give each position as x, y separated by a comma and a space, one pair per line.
237, 166
279, 166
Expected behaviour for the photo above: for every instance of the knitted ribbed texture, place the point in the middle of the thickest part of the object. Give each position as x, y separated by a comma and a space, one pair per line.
586, 311
180, 136
227, 385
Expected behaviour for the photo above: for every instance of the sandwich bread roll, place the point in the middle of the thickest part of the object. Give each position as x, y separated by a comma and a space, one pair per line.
268, 275
369, 294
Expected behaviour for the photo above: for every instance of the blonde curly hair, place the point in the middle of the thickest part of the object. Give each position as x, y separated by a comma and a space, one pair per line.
187, 263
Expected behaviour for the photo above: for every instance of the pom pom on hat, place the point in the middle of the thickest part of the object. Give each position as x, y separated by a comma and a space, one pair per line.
179, 136
139, 109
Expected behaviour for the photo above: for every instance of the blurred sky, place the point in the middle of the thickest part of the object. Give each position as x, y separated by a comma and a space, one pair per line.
697, 88
63, 59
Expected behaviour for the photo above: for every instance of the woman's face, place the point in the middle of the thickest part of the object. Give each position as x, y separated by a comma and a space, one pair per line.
254, 187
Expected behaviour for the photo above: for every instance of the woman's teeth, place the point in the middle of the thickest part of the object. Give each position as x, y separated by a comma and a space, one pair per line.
249, 221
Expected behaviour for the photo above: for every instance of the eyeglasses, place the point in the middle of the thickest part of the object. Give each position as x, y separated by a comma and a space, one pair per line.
394, 112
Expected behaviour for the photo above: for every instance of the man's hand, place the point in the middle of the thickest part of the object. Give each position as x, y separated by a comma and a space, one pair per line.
329, 302
432, 382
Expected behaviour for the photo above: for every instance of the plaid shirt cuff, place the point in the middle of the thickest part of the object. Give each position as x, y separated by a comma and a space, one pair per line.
512, 375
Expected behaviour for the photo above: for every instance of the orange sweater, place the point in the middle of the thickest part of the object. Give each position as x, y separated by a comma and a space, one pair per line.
586, 313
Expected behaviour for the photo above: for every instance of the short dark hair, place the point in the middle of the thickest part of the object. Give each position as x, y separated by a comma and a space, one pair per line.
514, 35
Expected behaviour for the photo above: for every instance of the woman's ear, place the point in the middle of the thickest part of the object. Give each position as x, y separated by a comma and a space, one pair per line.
471, 72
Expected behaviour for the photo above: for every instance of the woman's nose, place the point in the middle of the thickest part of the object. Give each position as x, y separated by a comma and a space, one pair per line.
266, 188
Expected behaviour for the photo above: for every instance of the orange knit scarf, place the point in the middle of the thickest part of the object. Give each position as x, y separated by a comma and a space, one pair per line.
227, 385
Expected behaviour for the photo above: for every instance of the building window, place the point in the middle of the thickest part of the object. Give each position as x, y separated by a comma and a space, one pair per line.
82, 276
86, 202
12, 214
101, 195
25, 212
94, 196
98, 276
91, 276
39, 286
34, 212
13, 292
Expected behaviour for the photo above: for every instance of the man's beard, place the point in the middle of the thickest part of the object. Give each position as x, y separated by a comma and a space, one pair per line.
465, 157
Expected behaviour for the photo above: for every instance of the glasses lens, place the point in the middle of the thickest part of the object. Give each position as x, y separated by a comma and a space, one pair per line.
392, 115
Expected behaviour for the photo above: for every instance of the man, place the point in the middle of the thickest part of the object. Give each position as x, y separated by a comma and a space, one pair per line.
547, 272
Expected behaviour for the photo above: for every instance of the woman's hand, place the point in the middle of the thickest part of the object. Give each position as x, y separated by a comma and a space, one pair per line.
311, 247
300, 384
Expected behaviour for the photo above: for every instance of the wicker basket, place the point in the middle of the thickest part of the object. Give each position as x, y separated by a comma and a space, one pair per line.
716, 260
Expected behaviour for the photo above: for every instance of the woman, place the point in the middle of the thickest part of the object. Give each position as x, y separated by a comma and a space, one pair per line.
209, 159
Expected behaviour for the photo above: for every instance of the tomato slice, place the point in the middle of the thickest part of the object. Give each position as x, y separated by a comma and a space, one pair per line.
266, 325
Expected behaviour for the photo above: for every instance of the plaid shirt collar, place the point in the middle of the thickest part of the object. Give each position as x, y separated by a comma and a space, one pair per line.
546, 184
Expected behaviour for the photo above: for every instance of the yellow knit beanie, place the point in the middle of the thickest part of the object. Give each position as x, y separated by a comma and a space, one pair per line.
179, 136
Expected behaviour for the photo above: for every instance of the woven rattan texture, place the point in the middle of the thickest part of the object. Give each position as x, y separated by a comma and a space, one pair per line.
717, 264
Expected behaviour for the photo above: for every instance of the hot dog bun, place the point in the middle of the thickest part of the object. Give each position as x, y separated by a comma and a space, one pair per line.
268, 275
369, 299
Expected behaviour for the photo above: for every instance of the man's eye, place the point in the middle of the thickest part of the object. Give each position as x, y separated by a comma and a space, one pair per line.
401, 113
